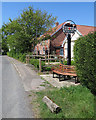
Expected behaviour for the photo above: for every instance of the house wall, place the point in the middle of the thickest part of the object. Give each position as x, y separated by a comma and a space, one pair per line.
61, 40
57, 51
74, 37
57, 39
42, 46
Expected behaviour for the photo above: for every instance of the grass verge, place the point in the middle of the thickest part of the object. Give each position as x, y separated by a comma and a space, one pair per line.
75, 102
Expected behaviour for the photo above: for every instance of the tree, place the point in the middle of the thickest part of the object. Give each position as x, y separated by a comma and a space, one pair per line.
3, 42
23, 32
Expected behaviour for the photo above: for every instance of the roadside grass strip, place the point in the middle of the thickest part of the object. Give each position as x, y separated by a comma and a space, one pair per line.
74, 101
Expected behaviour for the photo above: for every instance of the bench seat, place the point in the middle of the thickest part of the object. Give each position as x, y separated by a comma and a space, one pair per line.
65, 70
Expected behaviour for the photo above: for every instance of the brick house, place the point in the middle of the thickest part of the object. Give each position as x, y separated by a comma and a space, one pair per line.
58, 42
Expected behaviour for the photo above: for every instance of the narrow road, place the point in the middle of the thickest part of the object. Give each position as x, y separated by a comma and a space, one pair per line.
15, 102
0, 87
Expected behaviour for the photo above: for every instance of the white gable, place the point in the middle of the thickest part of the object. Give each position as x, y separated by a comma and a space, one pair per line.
74, 37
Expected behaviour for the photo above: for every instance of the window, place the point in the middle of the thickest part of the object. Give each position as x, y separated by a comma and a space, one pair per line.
47, 41
61, 52
43, 50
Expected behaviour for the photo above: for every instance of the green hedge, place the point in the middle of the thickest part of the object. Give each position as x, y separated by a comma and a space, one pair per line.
65, 62
48, 68
35, 62
18, 56
85, 60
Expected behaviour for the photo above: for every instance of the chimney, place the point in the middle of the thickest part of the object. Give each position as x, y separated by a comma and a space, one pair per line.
56, 24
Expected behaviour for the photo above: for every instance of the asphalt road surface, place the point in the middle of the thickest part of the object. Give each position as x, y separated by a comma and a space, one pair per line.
0, 87
15, 102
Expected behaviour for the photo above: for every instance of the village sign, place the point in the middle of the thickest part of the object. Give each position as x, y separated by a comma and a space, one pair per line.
69, 28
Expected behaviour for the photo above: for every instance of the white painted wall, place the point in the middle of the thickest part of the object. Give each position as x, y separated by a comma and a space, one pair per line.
74, 37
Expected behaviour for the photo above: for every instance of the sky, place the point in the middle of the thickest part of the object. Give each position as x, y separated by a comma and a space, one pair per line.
81, 13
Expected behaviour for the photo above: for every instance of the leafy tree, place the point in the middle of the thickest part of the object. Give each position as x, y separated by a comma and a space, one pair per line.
23, 32
3, 42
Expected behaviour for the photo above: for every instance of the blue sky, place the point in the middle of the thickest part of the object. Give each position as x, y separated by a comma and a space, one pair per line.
81, 13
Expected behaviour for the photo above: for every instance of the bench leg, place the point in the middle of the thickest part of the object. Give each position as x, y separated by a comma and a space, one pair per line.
59, 77
64, 77
68, 77
76, 80
53, 75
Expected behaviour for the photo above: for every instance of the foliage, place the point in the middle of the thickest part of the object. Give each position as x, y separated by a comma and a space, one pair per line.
48, 68
18, 56
85, 60
22, 33
3, 42
65, 62
75, 102
0, 48
35, 62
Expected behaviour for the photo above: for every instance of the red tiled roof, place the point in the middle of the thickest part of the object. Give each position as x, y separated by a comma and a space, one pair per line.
83, 29
56, 28
53, 30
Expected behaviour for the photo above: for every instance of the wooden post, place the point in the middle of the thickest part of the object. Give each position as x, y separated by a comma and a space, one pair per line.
26, 60
59, 58
40, 65
55, 57
45, 58
51, 105
48, 56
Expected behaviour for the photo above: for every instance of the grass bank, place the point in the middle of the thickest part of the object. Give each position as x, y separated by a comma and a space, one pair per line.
75, 102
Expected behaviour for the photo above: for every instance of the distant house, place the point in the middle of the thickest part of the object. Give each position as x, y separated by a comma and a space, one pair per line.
58, 42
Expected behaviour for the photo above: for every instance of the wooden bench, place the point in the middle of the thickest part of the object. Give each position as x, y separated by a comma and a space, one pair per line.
65, 70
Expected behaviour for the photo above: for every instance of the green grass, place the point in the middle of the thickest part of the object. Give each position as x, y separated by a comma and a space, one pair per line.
30, 95
46, 84
75, 102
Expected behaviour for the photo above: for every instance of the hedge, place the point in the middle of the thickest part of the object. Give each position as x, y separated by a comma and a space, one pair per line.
18, 56
85, 60
35, 62
65, 62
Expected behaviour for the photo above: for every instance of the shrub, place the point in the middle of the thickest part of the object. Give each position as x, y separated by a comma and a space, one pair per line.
48, 68
65, 62
85, 60
18, 56
35, 62
22, 57
11, 53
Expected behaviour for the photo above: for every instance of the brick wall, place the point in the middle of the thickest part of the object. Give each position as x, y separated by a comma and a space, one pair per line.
44, 44
57, 41
58, 38
53, 44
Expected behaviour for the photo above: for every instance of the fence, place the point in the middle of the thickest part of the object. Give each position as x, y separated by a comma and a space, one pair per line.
45, 58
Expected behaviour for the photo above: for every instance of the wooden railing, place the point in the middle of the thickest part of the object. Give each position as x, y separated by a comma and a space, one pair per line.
45, 58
